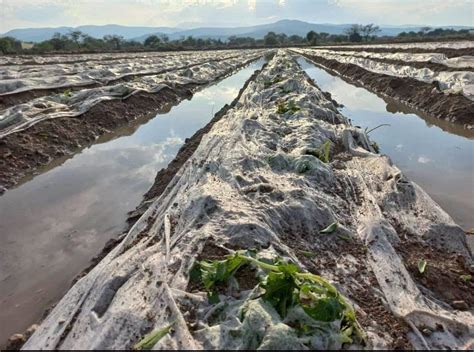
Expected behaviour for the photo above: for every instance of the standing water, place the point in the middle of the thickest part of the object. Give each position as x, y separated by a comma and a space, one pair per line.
52, 225
440, 158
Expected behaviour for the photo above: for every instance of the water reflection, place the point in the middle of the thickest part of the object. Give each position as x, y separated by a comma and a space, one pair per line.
52, 225
437, 155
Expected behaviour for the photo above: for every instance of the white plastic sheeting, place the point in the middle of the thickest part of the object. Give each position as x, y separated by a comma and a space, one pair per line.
465, 44
449, 82
456, 62
22, 116
244, 187
22, 71
52, 77
55, 59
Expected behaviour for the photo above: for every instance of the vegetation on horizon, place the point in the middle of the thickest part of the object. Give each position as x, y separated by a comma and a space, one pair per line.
76, 41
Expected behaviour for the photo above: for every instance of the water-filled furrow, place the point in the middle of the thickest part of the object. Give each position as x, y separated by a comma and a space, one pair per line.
436, 154
52, 225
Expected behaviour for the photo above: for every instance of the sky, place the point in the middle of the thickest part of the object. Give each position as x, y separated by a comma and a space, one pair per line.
229, 13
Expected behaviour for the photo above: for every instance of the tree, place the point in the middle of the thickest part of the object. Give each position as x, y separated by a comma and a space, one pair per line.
353, 33
200, 43
92, 43
59, 41
323, 36
189, 41
425, 29
282, 38
295, 39
312, 37
270, 39
9, 45
368, 30
115, 41
152, 42
75, 35
240, 41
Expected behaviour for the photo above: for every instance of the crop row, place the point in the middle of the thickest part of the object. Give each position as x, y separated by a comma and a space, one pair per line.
74, 103
426, 45
460, 62
20, 79
450, 81
281, 230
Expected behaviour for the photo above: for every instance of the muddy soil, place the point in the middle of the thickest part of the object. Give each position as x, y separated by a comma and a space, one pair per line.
447, 276
448, 52
424, 96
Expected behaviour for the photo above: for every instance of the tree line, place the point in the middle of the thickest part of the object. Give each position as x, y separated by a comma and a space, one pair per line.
76, 41
428, 32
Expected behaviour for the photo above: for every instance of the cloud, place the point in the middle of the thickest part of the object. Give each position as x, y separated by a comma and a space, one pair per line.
33, 13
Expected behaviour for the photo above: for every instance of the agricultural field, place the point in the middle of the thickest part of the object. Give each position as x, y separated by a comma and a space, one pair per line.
437, 78
245, 199
55, 93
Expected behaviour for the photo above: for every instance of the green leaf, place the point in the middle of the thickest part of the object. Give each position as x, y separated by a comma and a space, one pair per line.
325, 309
195, 273
345, 237
308, 254
422, 266
330, 229
219, 271
152, 338
323, 151
213, 297
346, 335
279, 289
285, 286
290, 106
466, 278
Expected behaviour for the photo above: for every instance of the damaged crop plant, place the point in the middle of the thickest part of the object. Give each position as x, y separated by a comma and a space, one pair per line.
305, 302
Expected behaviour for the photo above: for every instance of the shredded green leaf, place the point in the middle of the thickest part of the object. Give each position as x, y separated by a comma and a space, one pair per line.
290, 106
330, 229
324, 151
422, 265
152, 338
285, 286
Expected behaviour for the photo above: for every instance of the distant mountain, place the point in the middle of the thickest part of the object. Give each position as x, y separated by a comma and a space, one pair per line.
289, 27
40, 34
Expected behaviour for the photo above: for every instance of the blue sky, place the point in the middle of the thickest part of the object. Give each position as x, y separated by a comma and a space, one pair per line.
192, 13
